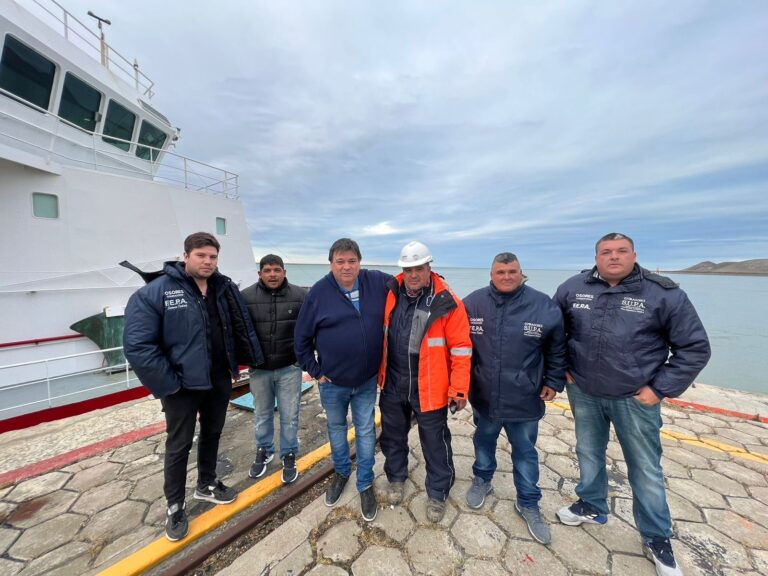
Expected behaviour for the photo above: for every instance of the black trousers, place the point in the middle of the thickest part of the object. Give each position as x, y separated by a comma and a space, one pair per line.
396, 416
181, 413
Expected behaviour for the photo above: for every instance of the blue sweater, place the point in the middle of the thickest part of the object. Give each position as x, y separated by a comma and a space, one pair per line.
348, 343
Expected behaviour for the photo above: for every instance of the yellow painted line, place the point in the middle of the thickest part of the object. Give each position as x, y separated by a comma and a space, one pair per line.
705, 443
162, 548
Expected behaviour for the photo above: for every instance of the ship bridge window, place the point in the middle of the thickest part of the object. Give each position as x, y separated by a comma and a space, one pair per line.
79, 103
151, 136
45, 205
119, 123
221, 226
25, 73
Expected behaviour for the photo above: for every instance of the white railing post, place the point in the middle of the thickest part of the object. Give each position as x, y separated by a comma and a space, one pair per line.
186, 183
48, 384
66, 25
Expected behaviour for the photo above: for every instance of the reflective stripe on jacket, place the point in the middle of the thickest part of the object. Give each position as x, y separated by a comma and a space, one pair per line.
445, 354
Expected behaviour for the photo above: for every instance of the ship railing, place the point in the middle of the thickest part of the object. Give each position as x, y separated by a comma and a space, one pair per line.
75, 385
79, 34
71, 144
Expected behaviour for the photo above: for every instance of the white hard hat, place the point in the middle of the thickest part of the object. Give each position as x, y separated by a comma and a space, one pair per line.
414, 254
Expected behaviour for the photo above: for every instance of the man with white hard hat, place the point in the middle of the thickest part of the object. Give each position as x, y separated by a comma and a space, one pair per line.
424, 371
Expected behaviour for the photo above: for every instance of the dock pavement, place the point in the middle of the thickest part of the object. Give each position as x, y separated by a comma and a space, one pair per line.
80, 495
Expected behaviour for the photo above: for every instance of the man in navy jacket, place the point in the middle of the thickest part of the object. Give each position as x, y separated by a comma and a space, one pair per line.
518, 362
185, 334
342, 320
634, 339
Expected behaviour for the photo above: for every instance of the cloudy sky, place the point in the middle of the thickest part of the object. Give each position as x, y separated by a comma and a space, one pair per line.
475, 127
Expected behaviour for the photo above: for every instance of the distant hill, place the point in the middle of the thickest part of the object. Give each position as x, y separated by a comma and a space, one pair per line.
754, 267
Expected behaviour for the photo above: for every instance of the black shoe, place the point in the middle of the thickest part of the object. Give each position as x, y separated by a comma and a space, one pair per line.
659, 551
217, 493
334, 491
176, 525
368, 504
289, 468
259, 465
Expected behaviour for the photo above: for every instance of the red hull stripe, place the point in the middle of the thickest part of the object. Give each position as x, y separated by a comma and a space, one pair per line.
59, 412
715, 410
67, 458
40, 340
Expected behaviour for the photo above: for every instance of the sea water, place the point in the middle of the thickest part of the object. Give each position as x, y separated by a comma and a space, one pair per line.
732, 308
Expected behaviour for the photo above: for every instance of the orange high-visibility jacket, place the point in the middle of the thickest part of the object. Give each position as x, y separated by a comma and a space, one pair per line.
445, 354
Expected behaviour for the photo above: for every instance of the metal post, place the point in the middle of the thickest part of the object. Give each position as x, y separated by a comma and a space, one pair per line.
136, 73
186, 184
66, 25
48, 384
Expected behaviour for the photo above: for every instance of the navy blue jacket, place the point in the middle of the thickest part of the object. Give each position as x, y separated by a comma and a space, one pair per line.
166, 332
348, 343
620, 338
518, 345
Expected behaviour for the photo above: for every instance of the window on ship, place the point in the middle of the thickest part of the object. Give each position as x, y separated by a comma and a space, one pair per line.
45, 205
150, 136
79, 103
221, 226
119, 123
25, 73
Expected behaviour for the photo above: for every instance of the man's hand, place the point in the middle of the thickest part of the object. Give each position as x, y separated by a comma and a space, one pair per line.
646, 396
458, 402
547, 393
568, 377
323, 380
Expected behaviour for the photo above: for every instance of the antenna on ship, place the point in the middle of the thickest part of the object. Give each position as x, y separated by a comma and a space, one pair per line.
102, 42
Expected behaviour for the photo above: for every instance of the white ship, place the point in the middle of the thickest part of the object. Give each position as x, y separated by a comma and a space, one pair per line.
88, 179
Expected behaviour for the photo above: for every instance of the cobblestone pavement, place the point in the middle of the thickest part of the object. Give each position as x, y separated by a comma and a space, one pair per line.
82, 517
716, 469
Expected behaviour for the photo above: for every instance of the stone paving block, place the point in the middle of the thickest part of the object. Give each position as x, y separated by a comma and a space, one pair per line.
477, 567
340, 543
682, 509
701, 496
42, 508
143, 467
87, 463
94, 476
546, 429
59, 558
503, 461
676, 429
6, 509
686, 458
761, 560
149, 489
102, 497
478, 535
548, 478
708, 453
568, 436
740, 473
622, 507
395, 521
564, 466
75, 567
418, 509
460, 427
561, 422
380, 561
45, 537
592, 557
634, 565
419, 476
750, 427
731, 435
7, 537
131, 452
672, 468
433, 552
755, 511
125, 545
327, 570
693, 427
463, 446
707, 420
463, 466
761, 467
9, 567
296, 562
532, 559
155, 516
115, 521
617, 536
269, 551
34, 487
709, 550
718, 483
739, 528
503, 486
551, 445
614, 451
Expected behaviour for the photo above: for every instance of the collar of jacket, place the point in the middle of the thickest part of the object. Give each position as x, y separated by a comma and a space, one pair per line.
442, 298
630, 282
176, 270
500, 298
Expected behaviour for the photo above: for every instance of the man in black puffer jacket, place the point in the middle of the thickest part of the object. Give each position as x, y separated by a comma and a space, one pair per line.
274, 304
518, 362
185, 334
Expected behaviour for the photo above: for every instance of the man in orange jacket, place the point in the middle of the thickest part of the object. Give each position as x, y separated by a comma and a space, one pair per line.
424, 371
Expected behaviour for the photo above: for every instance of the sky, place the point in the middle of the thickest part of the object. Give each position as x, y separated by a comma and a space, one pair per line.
474, 127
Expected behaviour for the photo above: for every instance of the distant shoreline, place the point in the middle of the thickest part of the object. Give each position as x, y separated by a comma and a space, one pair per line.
713, 273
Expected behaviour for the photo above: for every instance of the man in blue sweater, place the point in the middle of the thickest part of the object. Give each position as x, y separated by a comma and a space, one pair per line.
518, 362
342, 321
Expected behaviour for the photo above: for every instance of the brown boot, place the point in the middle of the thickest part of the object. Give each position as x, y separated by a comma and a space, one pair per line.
435, 510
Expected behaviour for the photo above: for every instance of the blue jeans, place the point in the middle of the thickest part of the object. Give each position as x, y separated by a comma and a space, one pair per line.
525, 458
285, 385
336, 401
637, 428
